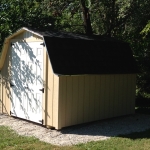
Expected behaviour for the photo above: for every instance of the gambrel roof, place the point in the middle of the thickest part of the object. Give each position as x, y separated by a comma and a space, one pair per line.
77, 54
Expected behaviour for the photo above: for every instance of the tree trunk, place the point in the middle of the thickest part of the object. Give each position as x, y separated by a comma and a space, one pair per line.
86, 17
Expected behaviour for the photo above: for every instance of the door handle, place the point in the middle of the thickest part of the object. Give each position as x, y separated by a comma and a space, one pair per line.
42, 90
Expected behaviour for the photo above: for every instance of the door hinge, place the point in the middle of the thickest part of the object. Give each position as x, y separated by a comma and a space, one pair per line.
12, 44
43, 44
11, 113
42, 90
11, 85
41, 121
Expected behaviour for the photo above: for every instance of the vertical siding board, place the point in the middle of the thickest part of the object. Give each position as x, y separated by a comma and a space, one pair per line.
130, 82
128, 100
8, 86
62, 101
116, 96
55, 102
122, 98
133, 93
69, 101
81, 99
86, 98
120, 102
128, 88
124, 82
5, 85
111, 96
107, 96
50, 89
121, 90
65, 99
126, 94
92, 98
97, 97
75, 100
102, 97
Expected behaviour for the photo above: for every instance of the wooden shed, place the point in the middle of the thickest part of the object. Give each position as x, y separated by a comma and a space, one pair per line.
62, 79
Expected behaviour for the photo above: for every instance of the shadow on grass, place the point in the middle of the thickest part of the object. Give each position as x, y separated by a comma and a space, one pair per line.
137, 135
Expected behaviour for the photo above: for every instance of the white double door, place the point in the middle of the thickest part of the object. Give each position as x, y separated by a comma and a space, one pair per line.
27, 80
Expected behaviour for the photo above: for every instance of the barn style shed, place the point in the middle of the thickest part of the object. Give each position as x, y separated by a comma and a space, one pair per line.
61, 79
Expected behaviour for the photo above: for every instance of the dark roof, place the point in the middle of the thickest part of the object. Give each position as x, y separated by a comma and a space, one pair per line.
75, 54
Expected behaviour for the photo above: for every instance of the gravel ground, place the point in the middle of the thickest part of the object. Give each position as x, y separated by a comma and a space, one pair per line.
100, 130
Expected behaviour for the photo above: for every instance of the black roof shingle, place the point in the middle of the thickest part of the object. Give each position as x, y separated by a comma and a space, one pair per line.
77, 56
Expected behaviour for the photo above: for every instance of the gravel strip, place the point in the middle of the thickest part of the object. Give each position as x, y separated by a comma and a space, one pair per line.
95, 131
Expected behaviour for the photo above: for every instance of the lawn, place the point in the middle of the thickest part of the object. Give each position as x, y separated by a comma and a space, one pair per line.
9, 140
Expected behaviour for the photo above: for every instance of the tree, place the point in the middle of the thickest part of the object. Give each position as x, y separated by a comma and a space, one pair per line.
86, 16
15, 14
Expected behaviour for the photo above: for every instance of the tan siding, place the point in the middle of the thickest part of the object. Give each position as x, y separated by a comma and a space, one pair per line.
102, 97
55, 102
69, 101
93, 97
62, 103
75, 95
5, 87
80, 101
111, 95
50, 88
52, 98
86, 98
97, 97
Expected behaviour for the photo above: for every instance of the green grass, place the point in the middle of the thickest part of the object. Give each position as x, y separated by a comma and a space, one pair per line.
9, 140
134, 141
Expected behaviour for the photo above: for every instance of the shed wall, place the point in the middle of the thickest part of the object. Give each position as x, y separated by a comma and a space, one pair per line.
51, 103
5, 86
93, 97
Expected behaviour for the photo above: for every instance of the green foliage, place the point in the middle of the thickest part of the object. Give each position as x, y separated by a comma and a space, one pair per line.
15, 14
68, 14
146, 29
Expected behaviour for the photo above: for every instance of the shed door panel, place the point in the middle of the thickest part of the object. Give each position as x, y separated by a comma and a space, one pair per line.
27, 78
